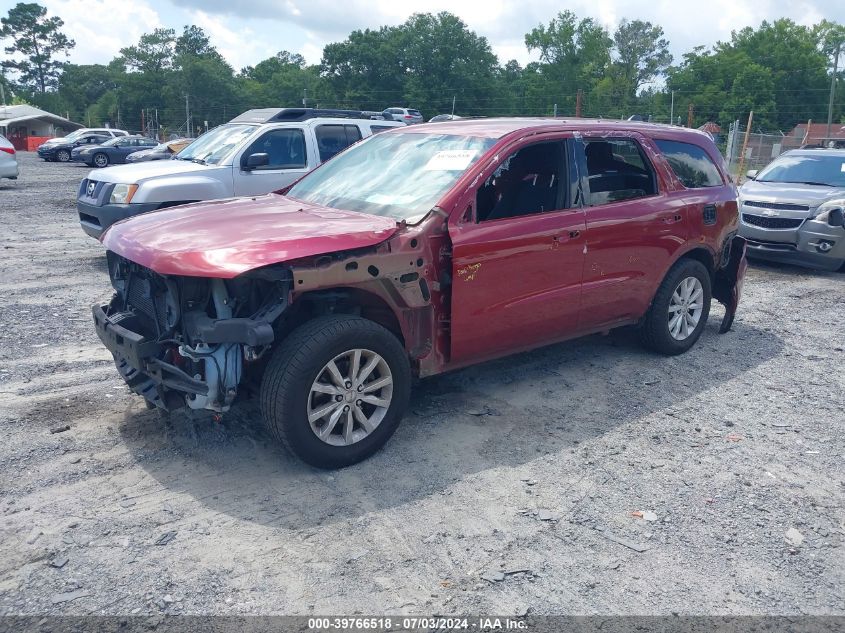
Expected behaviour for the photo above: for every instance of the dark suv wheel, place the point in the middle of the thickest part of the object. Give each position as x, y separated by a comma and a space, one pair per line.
679, 310
335, 390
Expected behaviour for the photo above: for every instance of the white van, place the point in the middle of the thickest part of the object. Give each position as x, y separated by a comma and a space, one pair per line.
255, 153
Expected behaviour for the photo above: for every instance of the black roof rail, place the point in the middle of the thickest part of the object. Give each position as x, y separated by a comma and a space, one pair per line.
271, 115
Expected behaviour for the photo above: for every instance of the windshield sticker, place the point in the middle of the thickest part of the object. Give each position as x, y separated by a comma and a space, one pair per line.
842, 168
450, 160
387, 199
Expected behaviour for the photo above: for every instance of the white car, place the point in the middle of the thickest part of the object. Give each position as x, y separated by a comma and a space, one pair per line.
255, 153
408, 116
8, 159
76, 134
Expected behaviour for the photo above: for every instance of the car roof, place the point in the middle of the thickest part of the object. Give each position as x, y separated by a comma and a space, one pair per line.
500, 127
817, 151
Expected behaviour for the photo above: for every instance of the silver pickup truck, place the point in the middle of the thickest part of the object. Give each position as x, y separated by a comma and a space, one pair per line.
255, 153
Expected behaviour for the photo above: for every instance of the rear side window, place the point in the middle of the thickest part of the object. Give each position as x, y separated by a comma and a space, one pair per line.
617, 170
333, 138
691, 164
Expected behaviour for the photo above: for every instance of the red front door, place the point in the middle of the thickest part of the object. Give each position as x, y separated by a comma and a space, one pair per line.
517, 260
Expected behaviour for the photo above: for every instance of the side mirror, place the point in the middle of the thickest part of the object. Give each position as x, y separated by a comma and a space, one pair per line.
752, 173
257, 160
836, 218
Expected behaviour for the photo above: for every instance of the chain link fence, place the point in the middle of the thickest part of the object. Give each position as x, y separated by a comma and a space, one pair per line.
762, 148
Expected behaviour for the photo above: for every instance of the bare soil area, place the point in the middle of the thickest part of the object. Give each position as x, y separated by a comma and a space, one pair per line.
587, 477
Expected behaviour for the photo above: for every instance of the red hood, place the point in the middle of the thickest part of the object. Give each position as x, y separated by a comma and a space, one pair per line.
224, 238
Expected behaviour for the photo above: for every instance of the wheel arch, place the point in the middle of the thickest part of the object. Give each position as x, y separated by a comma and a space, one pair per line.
697, 252
345, 300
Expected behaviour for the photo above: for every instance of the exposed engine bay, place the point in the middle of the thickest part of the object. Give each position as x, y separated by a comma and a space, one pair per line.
184, 340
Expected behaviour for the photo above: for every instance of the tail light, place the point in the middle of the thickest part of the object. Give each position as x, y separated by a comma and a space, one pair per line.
408, 116
8, 150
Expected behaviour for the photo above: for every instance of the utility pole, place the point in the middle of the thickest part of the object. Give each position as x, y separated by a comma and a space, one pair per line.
187, 118
579, 99
453, 104
739, 175
555, 114
672, 110
689, 115
305, 97
3, 95
833, 88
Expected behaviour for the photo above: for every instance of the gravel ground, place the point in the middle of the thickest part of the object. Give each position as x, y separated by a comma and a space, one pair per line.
512, 487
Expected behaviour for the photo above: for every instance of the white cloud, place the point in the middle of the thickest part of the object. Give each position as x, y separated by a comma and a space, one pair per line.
247, 31
240, 47
102, 27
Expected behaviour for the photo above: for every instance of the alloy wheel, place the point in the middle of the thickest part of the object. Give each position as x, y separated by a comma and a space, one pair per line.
685, 308
350, 397
100, 160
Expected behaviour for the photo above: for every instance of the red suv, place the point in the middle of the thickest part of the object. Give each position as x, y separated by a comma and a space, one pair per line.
415, 252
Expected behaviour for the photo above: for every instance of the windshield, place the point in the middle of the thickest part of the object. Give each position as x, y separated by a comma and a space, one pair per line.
72, 136
215, 145
400, 176
816, 169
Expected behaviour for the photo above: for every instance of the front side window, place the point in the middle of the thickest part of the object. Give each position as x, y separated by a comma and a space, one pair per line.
331, 139
617, 170
285, 149
527, 182
691, 164
402, 176
215, 145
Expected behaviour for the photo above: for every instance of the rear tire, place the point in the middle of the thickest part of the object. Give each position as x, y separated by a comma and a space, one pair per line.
298, 385
680, 308
63, 156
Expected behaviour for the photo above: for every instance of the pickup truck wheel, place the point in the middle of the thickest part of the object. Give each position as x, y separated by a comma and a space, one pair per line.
63, 156
335, 390
680, 308
101, 160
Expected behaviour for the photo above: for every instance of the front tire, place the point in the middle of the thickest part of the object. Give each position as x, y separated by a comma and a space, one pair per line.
680, 308
335, 390
63, 156
100, 160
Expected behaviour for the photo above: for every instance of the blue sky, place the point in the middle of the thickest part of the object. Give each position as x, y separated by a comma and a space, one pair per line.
246, 32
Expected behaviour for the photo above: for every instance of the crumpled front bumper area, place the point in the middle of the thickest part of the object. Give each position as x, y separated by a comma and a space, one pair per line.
139, 361
816, 244
727, 285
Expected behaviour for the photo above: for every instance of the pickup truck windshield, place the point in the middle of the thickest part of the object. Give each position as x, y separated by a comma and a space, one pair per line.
215, 145
818, 169
400, 176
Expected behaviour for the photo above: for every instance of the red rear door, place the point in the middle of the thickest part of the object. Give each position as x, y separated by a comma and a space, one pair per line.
634, 225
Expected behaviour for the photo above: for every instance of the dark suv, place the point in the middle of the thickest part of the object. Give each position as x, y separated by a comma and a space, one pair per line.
414, 252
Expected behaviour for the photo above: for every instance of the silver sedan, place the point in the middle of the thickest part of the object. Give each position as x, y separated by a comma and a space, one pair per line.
791, 211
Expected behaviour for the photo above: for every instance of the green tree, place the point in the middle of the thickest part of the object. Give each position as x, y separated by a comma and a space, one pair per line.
443, 60
365, 70
282, 80
39, 40
642, 54
153, 53
574, 54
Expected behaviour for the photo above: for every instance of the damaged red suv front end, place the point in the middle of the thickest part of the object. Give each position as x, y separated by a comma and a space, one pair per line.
418, 251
